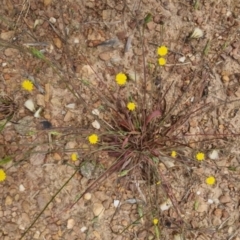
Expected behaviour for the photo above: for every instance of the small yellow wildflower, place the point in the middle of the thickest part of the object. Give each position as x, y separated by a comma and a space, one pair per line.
155, 221
121, 79
210, 180
93, 139
173, 154
162, 61
27, 85
162, 50
200, 156
131, 106
2, 175
74, 156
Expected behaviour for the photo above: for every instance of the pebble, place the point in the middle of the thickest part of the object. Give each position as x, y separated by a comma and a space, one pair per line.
21, 188
70, 223
218, 212
8, 201
10, 52
68, 116
105, 56
7, 35
40, 100
87, 196
225, 199
98, 209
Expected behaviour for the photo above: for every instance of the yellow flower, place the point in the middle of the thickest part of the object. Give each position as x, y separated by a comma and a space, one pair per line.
162, 50
131, 106
210, 180
27, 85
155, 221
74, 156
93, 139
200, 156
162, 61
173, 154
2, 175
121, 79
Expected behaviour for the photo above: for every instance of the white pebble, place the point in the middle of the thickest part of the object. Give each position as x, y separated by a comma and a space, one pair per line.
116, 203
182, 59
76, 40
210, 201
4, 64
166, 205
71, 105
96, 124
21, 188
52, 20
83, 229
95, 112
213, 154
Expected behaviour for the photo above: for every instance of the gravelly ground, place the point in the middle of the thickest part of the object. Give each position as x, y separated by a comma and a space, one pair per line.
69, 33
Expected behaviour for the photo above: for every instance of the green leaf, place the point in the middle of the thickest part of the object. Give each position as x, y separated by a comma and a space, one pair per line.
232, 168
148, 18
123, 173
196, 205
36, 53
55, 133
5, 160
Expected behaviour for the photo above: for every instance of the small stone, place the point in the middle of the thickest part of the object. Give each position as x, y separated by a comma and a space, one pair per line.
83, 229
7, 35
40, 100
182, 59
68, 116
57, 156
70, 223
57, 42
225, 199
218, 212
47, 2
71, 105
105, 56
21, 188
87, 170
116, 203
9, 52
98, 209
87, 196
8, 201
151, 25
225, 78
166, 205
96, 124
36, 235
52, 20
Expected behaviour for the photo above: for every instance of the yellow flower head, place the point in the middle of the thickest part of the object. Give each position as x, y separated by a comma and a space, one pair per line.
155, 221
74, 157
162, 61
173, 154
27, 85
93, 139
200, 156
210, 180
131, 106
121, 79
2, 175
162, 51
